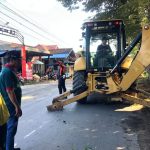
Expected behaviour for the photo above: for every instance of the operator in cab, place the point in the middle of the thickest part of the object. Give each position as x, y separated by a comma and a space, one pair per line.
104, 55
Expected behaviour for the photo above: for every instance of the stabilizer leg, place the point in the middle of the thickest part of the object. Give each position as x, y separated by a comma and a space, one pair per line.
139, 97
58, 103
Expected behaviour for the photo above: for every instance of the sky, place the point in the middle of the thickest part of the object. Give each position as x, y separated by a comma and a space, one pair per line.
61, 27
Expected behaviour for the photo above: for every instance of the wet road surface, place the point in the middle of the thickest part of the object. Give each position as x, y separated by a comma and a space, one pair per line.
94, 126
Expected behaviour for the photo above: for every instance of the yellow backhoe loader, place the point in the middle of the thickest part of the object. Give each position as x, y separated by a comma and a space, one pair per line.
109, 70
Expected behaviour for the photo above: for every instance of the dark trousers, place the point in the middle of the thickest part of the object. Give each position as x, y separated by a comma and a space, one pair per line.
12, 125
61, 85
3, 132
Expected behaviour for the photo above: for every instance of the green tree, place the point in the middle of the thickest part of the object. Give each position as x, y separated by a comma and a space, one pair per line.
134, 12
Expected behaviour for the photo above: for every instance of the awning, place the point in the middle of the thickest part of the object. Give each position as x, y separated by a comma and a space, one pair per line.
57, 56
3, 53
37, 62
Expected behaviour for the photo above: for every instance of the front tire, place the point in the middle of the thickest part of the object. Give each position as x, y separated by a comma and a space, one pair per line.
79, 78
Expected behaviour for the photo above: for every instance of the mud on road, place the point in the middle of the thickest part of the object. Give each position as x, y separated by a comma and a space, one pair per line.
139, 123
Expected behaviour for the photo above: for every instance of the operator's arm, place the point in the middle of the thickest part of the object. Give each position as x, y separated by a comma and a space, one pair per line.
110, 51
110, 56
98, 52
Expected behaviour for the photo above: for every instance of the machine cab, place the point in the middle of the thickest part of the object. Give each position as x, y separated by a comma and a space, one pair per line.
104, 44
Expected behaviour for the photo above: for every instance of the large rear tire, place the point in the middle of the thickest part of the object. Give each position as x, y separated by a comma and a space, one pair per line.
79, 78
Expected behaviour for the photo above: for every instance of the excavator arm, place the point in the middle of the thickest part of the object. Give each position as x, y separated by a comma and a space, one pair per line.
122, 81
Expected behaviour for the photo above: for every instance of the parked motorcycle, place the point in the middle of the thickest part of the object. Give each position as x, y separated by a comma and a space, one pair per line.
52, 76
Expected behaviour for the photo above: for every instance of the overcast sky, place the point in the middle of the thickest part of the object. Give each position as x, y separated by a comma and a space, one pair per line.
62, 26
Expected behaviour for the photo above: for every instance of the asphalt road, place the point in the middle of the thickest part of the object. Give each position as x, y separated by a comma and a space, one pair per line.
94, 126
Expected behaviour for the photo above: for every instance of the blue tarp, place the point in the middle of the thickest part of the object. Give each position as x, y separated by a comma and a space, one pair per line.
9, 52
57, 56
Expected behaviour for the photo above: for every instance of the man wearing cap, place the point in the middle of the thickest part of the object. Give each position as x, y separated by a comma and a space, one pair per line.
104, 54
11, 92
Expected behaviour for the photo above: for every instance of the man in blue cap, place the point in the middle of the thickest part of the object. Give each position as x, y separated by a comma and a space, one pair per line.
11, 92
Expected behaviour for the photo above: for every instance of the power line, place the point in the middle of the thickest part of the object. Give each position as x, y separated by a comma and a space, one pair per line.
25, 26
15, 27
3, 20
24, 33
22, 17
30, 35
40, 28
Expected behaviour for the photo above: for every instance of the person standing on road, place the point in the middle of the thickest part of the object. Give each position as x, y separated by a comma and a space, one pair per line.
61, 77
11, 92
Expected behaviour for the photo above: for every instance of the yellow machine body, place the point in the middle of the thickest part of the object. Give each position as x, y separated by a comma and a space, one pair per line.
114, 83
126, 63
80, 64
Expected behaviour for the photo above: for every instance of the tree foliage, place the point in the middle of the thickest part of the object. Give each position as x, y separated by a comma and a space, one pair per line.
134, 12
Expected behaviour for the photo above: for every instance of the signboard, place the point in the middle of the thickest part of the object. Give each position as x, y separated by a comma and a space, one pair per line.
7, 31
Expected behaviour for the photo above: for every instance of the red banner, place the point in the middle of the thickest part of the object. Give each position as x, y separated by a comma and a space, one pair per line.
29, 73
23, 54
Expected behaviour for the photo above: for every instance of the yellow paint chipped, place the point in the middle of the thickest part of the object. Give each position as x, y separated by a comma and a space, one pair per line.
133, 107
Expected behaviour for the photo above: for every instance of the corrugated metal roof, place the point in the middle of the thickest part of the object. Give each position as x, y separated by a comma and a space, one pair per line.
39, 50
33, 51
37, 62
59, 55
61, 51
